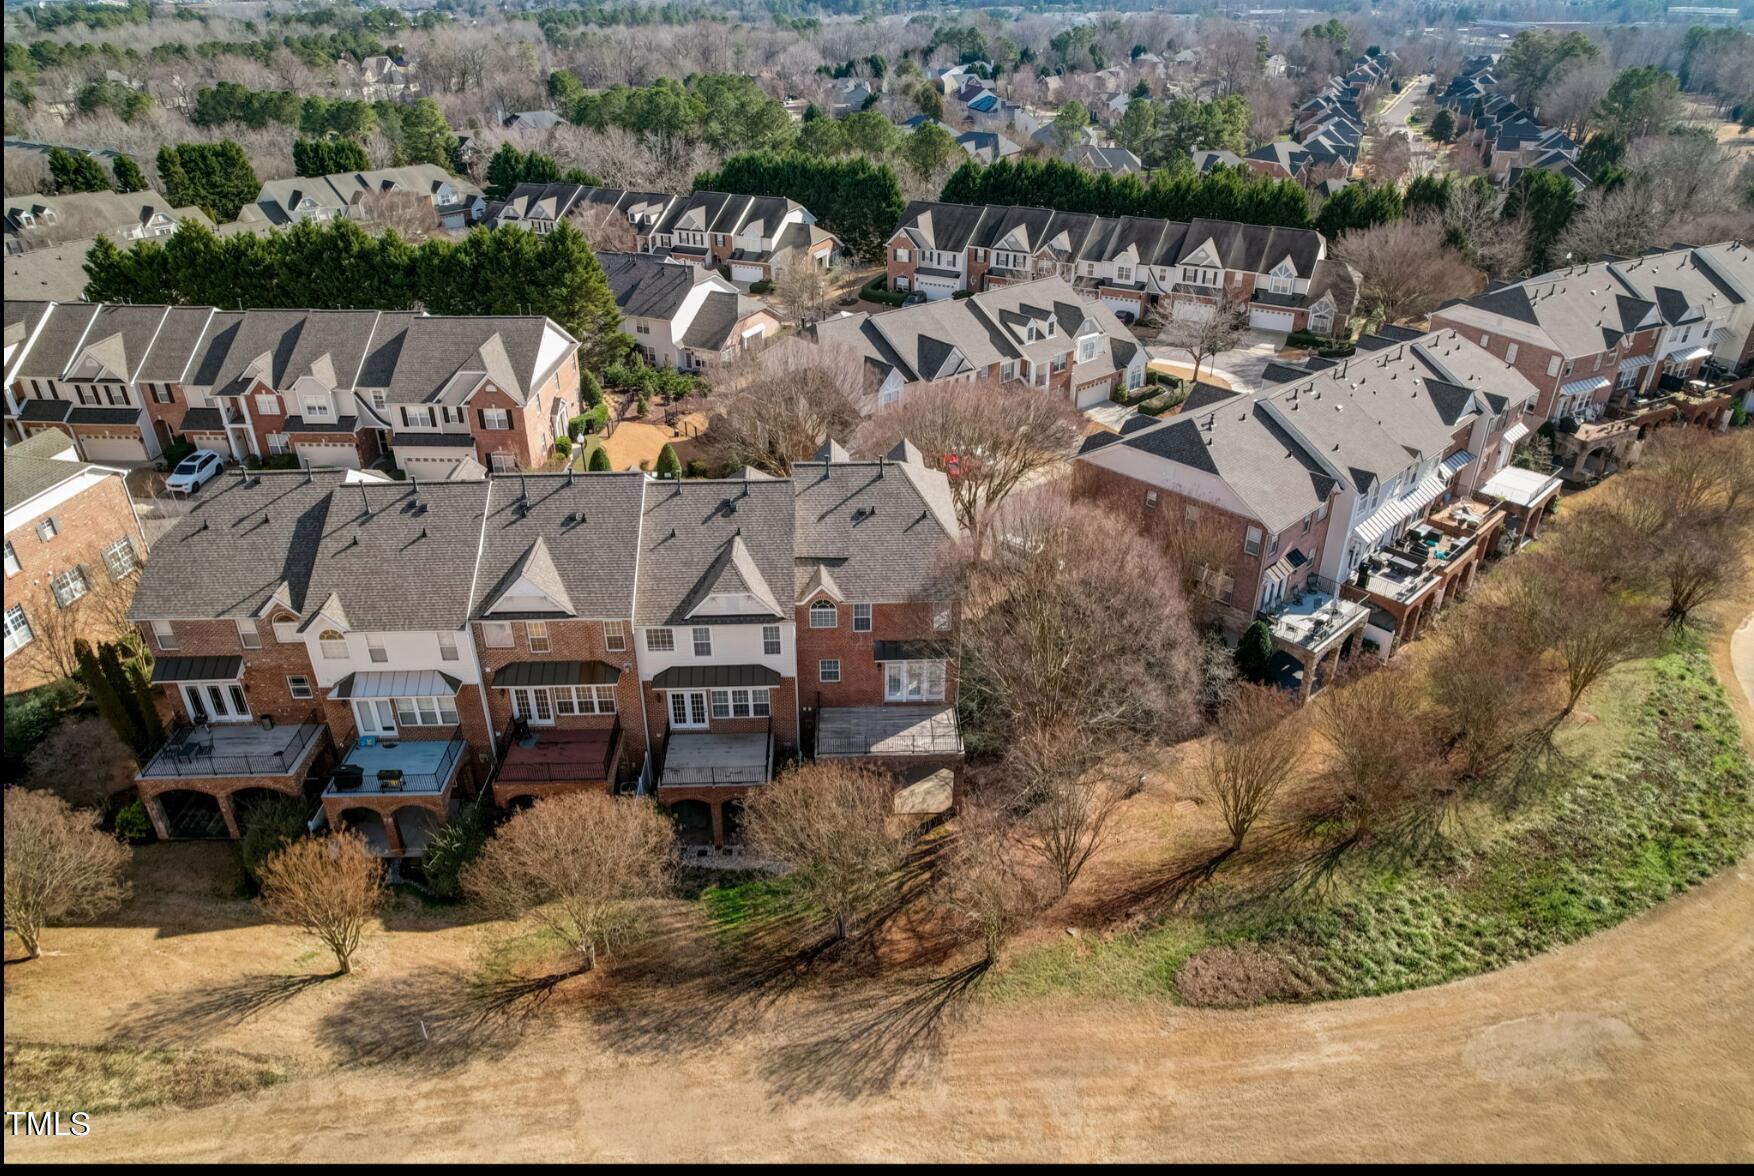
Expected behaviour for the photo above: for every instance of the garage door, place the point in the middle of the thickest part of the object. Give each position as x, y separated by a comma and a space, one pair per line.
1126, 306
747, 273
338, 456
937, 288
1192, 312
1271, 320
430, 468
112, 449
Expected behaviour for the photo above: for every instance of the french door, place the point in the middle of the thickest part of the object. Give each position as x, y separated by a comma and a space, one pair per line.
534, 706
216, 702
376, 716
687, 709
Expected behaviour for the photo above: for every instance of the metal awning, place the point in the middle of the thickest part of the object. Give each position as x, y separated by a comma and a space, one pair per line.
1587, 384
1687, 353
1636, 362
700, 677
397, 684
197, 669
1521, 487
1286, 566
1515, 433
1454, 464
554, 673
1381, 521
888, 651
1721, 335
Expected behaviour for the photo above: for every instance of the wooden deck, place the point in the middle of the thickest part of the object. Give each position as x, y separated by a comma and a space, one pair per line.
559, 755
703, 759
843, 731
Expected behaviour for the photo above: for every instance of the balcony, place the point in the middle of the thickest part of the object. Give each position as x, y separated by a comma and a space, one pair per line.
1314, 619
710, 759
888, 731
397, 767
547, 760
235, 749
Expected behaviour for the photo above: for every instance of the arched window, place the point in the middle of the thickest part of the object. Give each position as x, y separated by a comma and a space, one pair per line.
823, 615
333, 643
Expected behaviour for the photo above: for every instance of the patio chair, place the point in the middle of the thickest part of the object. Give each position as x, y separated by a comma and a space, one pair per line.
389, 779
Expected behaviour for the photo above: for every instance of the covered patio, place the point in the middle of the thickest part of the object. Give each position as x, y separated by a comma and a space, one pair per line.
704, 776
1310, 630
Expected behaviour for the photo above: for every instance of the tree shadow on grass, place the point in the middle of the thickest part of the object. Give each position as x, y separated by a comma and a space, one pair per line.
188, 1016
858, 1043
434, 1021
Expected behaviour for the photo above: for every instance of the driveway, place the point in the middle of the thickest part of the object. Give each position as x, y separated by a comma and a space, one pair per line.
1243, 367
1393, 117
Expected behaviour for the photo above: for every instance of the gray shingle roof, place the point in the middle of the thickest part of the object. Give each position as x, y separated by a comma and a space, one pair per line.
32, 467
647, 285
589, 524
689, 525
880, 529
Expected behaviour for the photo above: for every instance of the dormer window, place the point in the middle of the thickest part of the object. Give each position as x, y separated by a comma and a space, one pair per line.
823, 615
332, 644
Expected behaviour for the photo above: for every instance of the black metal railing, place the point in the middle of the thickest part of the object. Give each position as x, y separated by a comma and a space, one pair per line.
418, 782
195, 751
510, 768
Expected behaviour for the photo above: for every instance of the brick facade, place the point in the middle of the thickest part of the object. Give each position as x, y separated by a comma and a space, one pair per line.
570, 641
861, 675
265, 674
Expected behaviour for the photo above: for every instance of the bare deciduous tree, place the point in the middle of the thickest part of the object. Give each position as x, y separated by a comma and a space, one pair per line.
1256, 749
1587, 622
776, 406
991, 437
579, 864
607, 233
1390, 158
328, 886
1037, 653
981, 880
1404, 268
408, 213
59, 865
1069, 797
1384, 764
1491, 702
805, 290
833, 822
1204, 329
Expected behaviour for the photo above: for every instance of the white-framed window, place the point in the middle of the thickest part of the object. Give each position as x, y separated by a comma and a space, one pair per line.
380, 399
268, 405
913, 681
904, 255
1087, 349
574, 700
770, 640
941, 615
1217, 585
703, 641
375, 650
1510, 353
298, 686
278, 443
741, 703
69, 585
249, 637
861, 618
496, 418
537, 632
426, 712
447, 646
119, 557
502, 463
161, 393
1251, 543
614, 636
417, 416
823, 615
1278, 284
660, 641
332, 644
318, 408
496, 634
12, 565
828, 670
47, 530
18, 630
1150, 500
164, 636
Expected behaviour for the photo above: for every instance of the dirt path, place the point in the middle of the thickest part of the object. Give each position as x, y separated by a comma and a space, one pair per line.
1634, 1045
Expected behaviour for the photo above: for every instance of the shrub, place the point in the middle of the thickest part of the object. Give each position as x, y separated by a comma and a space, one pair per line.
762, 287
877, 290
453, 847
176, 451
590, 390
279, 461
269, 827
1165, 400
1254, 652
669, 466
599, 462
563, 446
32, 714
132, 823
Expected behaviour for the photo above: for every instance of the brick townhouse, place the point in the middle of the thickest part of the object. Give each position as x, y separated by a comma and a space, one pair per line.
448, 395
73, 549
751, 238
1354, 497
1283, 277
1040, 333
389, 647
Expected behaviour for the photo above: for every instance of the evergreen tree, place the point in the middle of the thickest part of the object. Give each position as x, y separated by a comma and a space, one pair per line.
1550, 201
1254, 652
128, 175
325, 157
103, 695
575, 293
590, 389
858, 201
75, 171
599, 463
668, 465
1360, 205
152, 728
172, 180
426, 136
215, 177
110, 665
1443, 126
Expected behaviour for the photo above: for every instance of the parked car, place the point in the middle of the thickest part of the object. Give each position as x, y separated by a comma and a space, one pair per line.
194, 472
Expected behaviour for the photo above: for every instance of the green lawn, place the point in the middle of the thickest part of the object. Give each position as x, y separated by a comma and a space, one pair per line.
1653, 798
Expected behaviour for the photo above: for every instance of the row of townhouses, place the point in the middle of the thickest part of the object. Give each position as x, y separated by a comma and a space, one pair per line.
1041, 334
751, 237
1614, 348
402, 646
1328, 128
1133, 264
33, 220
448, 395
367, 196
1507, 139
1355, 497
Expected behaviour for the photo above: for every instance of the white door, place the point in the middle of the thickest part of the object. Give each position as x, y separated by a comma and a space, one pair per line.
687, 709
376, 716
116, 450
747, 273
216, 702
1270, 320
536, 706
